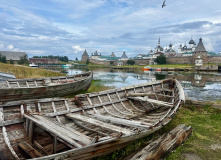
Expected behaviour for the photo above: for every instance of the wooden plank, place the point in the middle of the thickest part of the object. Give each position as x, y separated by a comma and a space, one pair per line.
54, 109
18, 85
27, 84
6, 139
33, 153
70, 136
95, 122
40, 148
129, 123
31, 131
13, 121
161, 147
8, 84
152, 101
54, 144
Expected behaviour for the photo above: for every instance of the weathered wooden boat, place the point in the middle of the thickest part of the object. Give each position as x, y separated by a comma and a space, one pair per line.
89, 125
17, 89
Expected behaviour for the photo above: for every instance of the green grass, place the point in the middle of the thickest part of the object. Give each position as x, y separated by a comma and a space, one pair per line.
206, 124
22, 72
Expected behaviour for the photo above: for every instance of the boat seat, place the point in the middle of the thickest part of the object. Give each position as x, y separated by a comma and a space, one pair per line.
68, 135
33, 153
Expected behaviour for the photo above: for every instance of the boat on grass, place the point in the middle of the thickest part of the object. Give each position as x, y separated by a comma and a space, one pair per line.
17, 89
148, 68
89, 125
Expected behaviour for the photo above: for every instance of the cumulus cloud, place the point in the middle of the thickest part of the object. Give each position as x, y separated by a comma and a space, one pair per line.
77, 49
133, 26
10, 47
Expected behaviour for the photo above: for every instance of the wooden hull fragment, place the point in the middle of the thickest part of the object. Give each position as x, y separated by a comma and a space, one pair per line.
88, 126
21, 89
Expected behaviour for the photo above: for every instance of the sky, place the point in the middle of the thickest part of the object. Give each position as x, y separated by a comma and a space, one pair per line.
68, 27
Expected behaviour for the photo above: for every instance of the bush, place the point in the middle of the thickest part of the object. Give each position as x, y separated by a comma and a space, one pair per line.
23, 60
11, 61
87, 62
111, 62
2, 59
130, 62
161, 59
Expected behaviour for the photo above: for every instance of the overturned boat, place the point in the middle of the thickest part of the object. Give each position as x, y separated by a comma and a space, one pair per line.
89, 125
17, 89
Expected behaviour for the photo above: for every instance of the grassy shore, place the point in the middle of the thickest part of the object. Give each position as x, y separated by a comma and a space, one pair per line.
204, 143
22, 72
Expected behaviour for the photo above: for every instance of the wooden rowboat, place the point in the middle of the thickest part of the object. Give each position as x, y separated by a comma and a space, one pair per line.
17, 89
88, 126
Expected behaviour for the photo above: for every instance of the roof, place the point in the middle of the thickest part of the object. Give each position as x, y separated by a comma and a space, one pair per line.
124, 56
212, 54
85, 53
112, 55
200, 47
12, 55
109, 58
188, 53
191, 41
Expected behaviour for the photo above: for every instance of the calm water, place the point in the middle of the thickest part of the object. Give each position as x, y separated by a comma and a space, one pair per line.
197, 86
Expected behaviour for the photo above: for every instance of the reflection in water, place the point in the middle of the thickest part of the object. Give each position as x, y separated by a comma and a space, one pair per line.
198, 86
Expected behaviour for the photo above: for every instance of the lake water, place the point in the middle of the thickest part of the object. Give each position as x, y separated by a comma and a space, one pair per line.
203, 86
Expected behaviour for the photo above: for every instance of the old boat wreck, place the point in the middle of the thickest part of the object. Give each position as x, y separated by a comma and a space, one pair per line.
89, 125
17, 89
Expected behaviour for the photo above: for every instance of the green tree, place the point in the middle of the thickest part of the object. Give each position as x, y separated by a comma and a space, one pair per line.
161, 59
2, 59
87, 62
76, 59
130, 62
23, 60
111, 62
11, 61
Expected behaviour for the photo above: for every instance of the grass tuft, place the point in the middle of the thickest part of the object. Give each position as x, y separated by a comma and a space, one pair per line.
22, 72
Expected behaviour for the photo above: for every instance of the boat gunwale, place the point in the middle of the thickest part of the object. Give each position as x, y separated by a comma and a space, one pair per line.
90, 74
159, 125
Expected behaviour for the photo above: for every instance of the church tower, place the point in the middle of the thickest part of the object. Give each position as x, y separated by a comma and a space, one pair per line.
200, 52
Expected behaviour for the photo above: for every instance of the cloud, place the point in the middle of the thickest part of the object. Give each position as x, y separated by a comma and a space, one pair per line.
77, 49
10, 47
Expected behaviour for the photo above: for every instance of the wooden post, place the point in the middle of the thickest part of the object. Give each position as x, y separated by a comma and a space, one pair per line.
31, 131
54, 144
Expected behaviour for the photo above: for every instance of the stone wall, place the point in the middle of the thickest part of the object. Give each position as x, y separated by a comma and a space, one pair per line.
214, 59
179, 60
141, 61
100, 62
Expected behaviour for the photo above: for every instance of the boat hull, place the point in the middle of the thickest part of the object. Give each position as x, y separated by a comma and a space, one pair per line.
54, 90
88, 126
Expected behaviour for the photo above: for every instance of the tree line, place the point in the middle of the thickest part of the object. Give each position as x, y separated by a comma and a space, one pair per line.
60, 58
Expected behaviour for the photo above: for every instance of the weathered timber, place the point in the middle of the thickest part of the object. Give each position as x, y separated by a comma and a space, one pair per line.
162, 103
101, 124
33, 153
161, 147
89, 125
59, 130
15, 89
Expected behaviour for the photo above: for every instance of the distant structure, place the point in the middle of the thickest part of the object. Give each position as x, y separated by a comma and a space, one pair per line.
170, 52
43, 61
112, 55
14, 56
95, 55
158, 48
200, 52
184, 49
84, 56
124, 56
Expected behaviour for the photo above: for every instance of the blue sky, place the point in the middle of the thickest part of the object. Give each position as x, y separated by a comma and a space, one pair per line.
67, 27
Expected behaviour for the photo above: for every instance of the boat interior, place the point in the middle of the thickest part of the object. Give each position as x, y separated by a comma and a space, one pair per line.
43, 127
